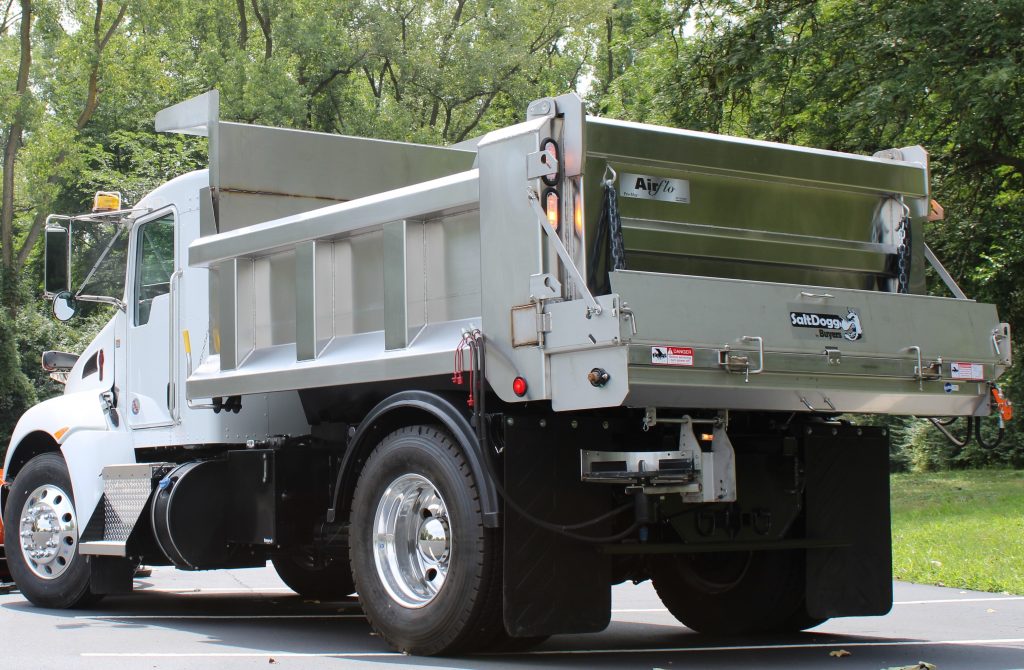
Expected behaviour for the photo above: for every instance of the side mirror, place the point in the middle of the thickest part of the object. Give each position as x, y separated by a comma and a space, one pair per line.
57, 274
64, 306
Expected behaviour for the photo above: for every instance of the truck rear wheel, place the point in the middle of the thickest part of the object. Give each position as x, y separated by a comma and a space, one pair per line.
312, 578
41, 541
426, 569
734, 593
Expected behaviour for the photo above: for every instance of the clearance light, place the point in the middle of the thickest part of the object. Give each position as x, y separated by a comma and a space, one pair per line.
577, 216
550, 146
106, 201
60, 433
551, 207
519, 386
706, 437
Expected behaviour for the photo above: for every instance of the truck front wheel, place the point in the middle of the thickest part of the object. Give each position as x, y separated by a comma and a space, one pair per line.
734, 593
426, 569
42, 536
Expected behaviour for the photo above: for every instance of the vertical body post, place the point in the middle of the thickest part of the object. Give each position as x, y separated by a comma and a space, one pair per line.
396, 304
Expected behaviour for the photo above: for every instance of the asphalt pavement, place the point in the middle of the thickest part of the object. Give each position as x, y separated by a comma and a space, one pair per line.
248, 618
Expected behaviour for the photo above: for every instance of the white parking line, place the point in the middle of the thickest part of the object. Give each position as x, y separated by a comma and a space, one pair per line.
221, 616
769, 647
993, 599
562, 652
271, 589
241, 654
958, 600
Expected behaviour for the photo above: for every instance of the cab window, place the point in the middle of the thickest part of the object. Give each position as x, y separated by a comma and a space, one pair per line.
154, 265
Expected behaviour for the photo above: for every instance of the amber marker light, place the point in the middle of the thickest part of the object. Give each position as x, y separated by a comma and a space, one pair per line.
61, 433
106, 201
577, 216
551, 207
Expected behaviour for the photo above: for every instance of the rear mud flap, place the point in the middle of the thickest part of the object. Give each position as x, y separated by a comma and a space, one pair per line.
552, 584
848, 499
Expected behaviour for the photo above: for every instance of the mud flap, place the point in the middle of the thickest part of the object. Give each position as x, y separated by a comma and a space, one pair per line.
552, 584
848, 500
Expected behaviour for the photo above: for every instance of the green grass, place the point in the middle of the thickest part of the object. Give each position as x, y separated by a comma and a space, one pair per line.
960, 529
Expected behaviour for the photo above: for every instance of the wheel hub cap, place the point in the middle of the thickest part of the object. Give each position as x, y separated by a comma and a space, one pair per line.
48, 531
412, 541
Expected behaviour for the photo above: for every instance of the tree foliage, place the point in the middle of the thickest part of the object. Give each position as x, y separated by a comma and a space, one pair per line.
82, 79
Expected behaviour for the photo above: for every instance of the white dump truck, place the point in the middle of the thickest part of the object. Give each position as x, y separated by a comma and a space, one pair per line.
481, 384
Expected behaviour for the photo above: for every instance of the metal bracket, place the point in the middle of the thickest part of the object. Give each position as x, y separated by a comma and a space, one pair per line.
593, 308
717, 468
1000, 335
544, 287
627, 313
944, 275
833, 355
540, 164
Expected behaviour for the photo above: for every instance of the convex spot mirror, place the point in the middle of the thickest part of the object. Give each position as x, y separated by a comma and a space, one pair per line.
64, 306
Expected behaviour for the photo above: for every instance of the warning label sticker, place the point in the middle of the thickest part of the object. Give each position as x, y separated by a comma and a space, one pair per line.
960, 370
672, 356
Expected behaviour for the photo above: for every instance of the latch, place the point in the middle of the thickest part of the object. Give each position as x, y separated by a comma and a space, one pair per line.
734, 361
833, 355
925, 372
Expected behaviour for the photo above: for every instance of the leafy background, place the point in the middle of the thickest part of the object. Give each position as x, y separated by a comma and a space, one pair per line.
81, 80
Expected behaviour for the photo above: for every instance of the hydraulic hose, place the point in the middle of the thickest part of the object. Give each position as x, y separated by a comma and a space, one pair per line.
981, 442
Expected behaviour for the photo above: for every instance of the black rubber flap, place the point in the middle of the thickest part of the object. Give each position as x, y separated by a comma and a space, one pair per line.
848, 500
552, 584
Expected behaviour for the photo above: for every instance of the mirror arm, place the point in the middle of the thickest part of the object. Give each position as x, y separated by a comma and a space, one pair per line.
105, 299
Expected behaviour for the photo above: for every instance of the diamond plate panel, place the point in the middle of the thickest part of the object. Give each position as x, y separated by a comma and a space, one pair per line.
126, 489
123, 503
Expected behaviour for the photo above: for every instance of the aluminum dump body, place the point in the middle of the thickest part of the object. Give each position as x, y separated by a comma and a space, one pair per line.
757, 276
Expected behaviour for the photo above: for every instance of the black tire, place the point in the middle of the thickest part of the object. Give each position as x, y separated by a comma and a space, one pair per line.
465, 612
330, 579
735, 593
70, 588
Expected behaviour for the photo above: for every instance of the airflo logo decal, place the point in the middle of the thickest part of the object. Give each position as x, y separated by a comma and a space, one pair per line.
646, 187
827, 326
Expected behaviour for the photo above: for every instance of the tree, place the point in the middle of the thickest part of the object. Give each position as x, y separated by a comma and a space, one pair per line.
13, 136
859, 77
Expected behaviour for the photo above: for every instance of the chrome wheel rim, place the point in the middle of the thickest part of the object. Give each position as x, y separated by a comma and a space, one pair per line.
48, 531
412, 542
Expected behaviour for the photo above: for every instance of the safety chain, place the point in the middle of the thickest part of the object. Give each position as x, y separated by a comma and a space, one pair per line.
607, 253
615, 221
903, 255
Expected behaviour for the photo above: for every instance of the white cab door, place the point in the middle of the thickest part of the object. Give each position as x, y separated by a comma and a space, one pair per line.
150, 316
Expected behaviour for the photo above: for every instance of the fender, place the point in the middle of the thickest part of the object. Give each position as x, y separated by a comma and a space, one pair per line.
403, 409
86, 453
79, 427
